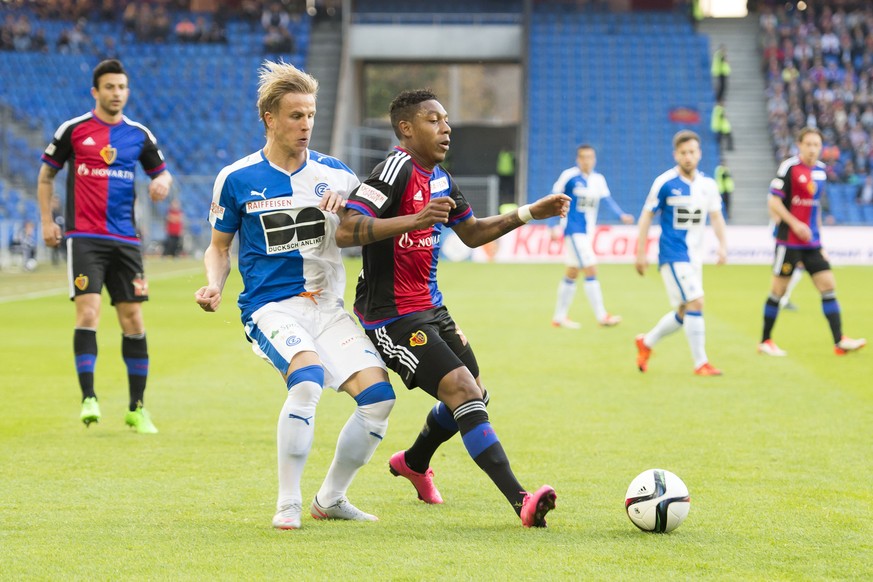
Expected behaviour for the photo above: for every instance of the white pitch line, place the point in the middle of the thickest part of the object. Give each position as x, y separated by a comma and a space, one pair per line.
58, 290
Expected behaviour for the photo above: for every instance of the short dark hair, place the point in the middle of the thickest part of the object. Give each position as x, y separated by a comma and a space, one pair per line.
109, 66
805, 131
404, 106
584, 146
683, 136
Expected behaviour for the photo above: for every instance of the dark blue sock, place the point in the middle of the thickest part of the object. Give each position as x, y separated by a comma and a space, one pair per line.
85, 350
484, 447
831, 308
135, 352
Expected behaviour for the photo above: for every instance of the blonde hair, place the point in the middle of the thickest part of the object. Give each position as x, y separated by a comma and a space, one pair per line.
278, 79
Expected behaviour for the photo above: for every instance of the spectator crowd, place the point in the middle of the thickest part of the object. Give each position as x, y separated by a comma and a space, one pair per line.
818, 64
154, 21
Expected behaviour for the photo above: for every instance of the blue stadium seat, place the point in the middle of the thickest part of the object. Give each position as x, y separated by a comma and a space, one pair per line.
612, 80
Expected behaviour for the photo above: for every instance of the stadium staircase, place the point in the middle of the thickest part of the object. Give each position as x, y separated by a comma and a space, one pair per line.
323, 62
751, 163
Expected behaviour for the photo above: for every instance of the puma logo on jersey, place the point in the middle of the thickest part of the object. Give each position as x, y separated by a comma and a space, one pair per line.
418, 197
262, 193
89, 141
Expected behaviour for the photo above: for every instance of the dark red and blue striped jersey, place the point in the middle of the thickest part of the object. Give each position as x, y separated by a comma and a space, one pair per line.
800, 187
399, 277
100, 176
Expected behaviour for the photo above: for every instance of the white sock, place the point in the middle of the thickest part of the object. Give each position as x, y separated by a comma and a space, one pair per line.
695, 331
566, 292
595, 298
796, 276
355, 446
668, 324
294, 438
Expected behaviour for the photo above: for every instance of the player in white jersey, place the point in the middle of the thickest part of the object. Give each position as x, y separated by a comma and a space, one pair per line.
684, 197
282, 200
586, 189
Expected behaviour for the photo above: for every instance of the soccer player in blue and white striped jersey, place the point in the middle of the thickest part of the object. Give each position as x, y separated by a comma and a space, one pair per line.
684, 197
586, 189
282, 200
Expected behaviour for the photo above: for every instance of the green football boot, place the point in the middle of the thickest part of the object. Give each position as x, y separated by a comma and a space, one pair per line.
90, 411
140, 420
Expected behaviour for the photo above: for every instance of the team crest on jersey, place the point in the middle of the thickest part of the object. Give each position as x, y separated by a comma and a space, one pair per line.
321, 188
81, 282
108, 153
419, 338
811, 187
140, 285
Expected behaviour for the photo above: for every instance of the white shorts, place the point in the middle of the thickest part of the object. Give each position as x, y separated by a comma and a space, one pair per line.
578, 251
684, 282
281, 330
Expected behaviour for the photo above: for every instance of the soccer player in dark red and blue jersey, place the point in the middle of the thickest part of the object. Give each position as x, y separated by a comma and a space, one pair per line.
103, 247
398, 214
795, 199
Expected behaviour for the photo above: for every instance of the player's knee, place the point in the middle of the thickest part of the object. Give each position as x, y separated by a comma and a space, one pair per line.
374, 406
87, 317
304, 392
459, 386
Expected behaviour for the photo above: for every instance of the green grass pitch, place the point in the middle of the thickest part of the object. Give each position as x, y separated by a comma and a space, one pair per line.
776, 454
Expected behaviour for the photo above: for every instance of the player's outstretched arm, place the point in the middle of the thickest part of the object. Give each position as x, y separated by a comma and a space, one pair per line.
45, 191
358, 229
477, 232
159, 187
216, 259
645, 221
616, 209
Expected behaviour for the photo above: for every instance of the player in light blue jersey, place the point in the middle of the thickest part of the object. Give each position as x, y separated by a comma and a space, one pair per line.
684, 197
282, 200
586, 189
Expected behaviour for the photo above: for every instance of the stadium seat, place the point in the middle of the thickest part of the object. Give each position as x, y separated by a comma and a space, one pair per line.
621, 86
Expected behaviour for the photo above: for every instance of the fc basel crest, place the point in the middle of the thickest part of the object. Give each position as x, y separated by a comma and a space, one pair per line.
81, 282
108, 153
419, 338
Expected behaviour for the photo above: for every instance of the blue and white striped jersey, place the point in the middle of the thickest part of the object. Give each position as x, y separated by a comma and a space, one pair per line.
585, 192
684, 206
287, 245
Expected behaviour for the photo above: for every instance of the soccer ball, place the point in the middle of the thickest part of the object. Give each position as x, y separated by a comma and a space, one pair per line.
657, 501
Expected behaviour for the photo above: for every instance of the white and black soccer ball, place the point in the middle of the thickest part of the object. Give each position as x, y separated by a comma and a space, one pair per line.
657, 501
